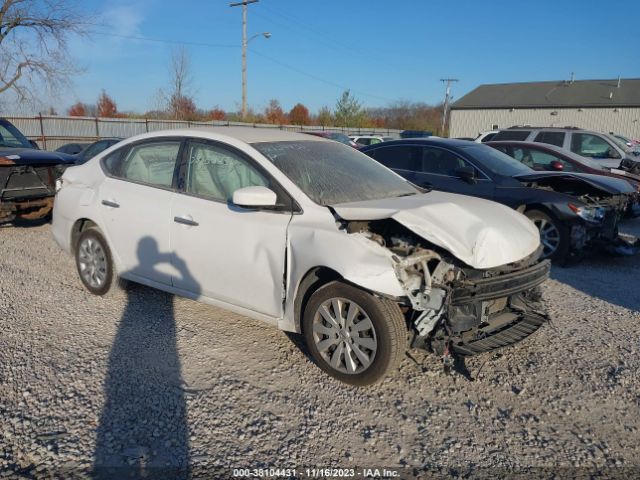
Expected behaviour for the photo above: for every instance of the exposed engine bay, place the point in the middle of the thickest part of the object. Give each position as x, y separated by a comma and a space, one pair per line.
453, 307
27, 191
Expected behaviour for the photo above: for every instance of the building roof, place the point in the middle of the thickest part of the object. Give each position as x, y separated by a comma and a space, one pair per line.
555, 94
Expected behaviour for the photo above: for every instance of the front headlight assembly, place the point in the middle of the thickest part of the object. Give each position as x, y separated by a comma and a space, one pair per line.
589, 214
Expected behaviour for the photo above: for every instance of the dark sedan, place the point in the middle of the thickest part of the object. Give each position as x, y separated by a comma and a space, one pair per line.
27, 176
95, 148
572, 211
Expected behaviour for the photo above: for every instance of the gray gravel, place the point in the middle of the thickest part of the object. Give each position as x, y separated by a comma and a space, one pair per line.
154, 383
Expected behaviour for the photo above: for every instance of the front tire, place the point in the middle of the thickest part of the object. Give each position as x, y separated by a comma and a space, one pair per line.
95, 264
554, 235
352, 335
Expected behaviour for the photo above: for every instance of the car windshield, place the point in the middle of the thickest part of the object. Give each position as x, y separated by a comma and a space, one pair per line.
587, 161
618, 141
330, 173
339, 137
11, 137
496, 161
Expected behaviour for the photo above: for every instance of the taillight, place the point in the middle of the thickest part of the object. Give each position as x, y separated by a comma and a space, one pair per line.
6, 161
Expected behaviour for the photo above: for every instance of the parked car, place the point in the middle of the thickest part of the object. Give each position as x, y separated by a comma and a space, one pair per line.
27, 176
572, 211
485, 136
71, 148
336, 136
95, 148
547, 157
625, 140
415, 134
369, 139
307, 235
599, 146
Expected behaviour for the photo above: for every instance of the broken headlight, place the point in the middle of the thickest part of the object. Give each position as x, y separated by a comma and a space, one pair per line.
589, 214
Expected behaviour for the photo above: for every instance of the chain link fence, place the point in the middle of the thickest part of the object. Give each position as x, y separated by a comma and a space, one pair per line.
51, 132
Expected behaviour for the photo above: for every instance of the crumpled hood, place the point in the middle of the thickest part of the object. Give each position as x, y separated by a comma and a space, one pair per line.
481, 233
610, 185
31, 156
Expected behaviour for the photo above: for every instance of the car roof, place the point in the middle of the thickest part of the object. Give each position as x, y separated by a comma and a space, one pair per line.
444, 142
251, 134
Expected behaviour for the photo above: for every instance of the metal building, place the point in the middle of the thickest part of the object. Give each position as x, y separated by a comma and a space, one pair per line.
600, 105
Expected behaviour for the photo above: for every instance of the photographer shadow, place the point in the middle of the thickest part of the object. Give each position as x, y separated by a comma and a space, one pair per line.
143, 430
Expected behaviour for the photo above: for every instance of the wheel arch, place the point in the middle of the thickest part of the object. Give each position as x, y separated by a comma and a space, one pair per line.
311, 281
78, 227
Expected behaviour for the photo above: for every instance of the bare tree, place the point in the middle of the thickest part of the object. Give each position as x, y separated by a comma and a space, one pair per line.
34, 38
180, 70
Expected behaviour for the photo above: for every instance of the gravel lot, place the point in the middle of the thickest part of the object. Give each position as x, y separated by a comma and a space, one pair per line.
148, 380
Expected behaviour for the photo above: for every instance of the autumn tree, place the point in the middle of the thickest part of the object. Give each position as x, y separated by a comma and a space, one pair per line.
324, 117
182, 108
106, 107
299, 115
78, 109
216, 114
34, 50
274, 113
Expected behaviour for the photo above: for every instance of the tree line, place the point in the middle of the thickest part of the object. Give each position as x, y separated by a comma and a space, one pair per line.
34, 59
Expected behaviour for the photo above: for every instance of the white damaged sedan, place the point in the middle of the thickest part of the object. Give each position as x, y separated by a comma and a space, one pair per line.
309, 235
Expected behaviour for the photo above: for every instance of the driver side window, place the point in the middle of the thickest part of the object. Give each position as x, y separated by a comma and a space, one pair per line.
441, 162
214, 172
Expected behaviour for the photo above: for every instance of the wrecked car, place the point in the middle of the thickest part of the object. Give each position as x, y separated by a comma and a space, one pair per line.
543, 157
574, 212
27, 176
310, 236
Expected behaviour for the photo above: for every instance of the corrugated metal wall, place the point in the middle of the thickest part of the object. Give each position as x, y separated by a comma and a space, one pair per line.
53, 132
625, 121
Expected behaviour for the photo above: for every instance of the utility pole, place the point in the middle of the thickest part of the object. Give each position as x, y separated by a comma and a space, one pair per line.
244, 4
447, 97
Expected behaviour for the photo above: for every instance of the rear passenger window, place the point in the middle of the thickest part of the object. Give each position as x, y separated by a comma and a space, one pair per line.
553, 138
151, 163
440, 162
398, 158
517, 135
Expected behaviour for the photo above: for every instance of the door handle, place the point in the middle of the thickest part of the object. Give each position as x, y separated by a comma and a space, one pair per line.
186, 221
110, 203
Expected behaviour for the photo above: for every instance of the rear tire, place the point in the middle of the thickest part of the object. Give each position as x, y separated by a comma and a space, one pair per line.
554, 235
95, 264
352, 335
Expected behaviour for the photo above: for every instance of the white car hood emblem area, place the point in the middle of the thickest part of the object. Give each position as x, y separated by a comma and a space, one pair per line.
481, 233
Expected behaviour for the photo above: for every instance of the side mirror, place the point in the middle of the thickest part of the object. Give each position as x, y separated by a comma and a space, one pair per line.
251, 197
466, 173
556, 166
34, 144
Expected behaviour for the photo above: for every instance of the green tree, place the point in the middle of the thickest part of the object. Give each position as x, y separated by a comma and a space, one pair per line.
349, 111
324, 117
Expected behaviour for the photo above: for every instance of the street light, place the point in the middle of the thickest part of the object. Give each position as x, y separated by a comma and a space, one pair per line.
245, 42
244, 4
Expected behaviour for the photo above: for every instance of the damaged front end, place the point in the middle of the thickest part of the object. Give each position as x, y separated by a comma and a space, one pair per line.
453, 308
600, 205
27, 191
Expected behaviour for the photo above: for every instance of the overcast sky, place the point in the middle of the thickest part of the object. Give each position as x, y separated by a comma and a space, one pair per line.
382, 50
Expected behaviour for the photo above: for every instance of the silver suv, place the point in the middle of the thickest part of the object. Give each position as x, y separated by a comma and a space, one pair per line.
606, 149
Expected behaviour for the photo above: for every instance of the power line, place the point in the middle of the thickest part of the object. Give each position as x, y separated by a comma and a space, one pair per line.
310, 75
158, 40
266, 57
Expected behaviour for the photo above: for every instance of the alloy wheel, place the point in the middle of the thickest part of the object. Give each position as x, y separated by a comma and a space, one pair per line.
549, 236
